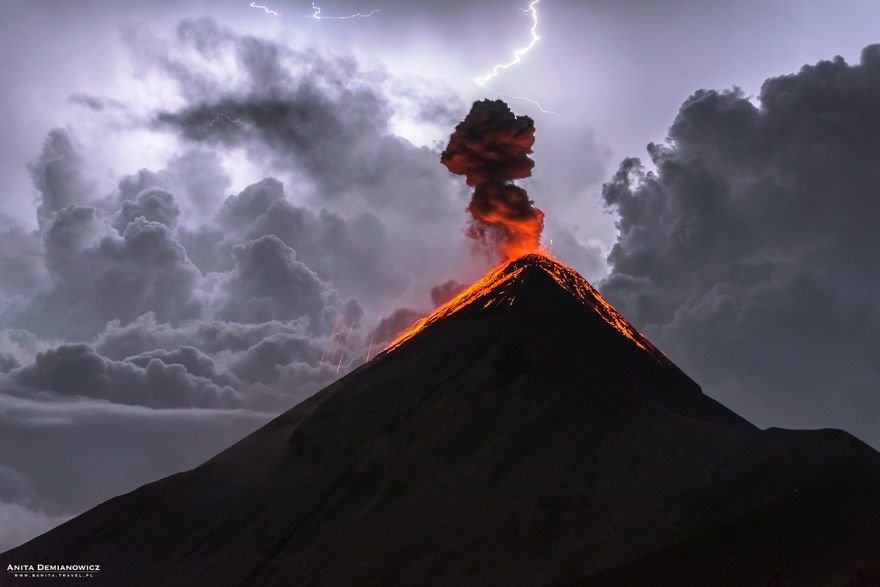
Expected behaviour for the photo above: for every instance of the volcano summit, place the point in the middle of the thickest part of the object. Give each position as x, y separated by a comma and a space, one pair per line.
523, 434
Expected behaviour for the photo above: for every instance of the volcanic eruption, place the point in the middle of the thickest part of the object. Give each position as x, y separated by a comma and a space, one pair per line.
524, 433
491, 148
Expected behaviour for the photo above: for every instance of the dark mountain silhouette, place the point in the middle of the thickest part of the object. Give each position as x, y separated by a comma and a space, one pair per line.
524, 434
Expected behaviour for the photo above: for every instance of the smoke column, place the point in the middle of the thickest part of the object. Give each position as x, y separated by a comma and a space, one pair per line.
491, 148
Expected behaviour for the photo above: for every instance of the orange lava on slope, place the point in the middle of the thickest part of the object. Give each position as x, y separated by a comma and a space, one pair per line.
570, 280
507, 272
480, 287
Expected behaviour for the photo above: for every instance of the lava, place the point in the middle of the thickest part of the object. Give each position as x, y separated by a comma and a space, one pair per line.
331, 338
491, 149
492, 280
370, 347
488, 291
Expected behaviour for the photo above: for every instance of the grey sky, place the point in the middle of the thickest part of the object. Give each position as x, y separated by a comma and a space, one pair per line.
616, 70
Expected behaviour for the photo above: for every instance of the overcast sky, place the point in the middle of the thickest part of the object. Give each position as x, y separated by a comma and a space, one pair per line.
211, 211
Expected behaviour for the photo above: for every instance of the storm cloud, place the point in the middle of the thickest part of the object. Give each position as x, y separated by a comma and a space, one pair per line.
184, 310
749, 255
142, 329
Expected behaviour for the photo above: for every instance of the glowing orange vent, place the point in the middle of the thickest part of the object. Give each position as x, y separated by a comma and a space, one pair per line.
495, 280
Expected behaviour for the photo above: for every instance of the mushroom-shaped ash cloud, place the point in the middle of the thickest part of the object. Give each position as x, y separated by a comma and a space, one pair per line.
491, 148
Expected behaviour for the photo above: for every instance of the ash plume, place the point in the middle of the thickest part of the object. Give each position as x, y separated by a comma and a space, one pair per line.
491, 148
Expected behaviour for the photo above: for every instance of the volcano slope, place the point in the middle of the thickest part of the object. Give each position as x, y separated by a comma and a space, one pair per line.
523, 434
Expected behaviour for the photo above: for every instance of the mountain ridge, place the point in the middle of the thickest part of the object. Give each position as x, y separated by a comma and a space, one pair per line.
523, 442
496, 280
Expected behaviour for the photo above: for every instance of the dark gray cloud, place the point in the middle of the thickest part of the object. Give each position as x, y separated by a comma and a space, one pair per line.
392, 325
269, 283
196, 179
362, 207
94, 103
166, 308
21, 264
274, 364
440, 294
325, 118
352, 254
284, 368
99, 275
159, 381
748, 255
200, 175
194, 361
146, 333
155, 205
58, 175
130, 186
564, 244
8, 362
21, 345
303, 127
325, 125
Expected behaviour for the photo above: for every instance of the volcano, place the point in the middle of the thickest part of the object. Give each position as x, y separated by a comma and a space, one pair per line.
525, 433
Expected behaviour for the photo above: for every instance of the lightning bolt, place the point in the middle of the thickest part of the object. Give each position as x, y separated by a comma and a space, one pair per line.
268, 10
535, 102
316, 14
518, 53
219, 116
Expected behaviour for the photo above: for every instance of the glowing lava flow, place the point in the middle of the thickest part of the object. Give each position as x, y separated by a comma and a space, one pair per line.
480, 287
331, 338
342, 354
518, 53
370, 347
570, 280
316, 14
494, 282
